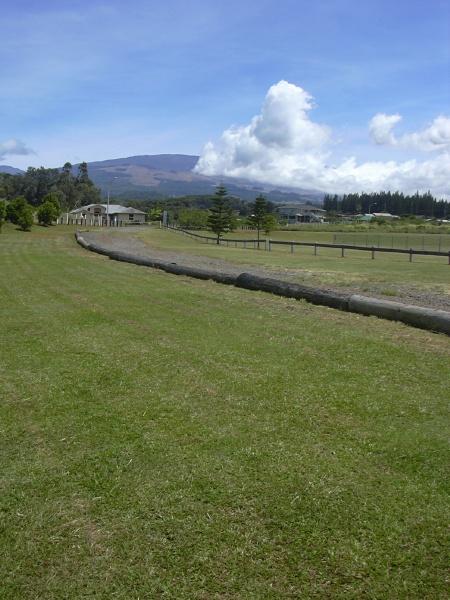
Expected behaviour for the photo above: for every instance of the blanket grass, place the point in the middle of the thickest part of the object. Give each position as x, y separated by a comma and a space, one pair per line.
163, 437
326, 268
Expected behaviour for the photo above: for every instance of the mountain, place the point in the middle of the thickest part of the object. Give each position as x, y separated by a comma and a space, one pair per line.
159, 175
10, 170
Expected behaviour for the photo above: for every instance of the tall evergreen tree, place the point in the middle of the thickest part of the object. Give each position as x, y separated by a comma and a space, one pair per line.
220, 219
83, 175
259, 214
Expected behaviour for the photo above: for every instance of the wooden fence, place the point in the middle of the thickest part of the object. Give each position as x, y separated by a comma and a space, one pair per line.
267, 244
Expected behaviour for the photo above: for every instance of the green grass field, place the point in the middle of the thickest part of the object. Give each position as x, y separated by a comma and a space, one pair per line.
377, 237
328, 268
163, 437
371, 237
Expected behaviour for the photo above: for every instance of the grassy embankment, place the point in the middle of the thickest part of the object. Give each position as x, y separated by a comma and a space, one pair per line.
166, 437
327, 268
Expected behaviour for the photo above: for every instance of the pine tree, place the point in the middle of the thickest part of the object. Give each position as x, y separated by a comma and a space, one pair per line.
259, 214
220, 219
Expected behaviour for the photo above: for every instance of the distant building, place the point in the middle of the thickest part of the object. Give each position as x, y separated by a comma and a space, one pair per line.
366, 217
301, 213
99, 215
384, 215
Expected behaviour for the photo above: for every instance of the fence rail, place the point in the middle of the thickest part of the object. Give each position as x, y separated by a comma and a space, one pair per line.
267, 244
419, 241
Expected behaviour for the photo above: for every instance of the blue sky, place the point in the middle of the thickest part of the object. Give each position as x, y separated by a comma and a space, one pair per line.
96, 80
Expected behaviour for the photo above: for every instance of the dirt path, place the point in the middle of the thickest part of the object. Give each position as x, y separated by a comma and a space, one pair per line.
124, 240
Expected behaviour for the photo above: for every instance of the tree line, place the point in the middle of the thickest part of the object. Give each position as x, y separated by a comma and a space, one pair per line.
44, 193
395, 203
201, 202
37, 183
221, 217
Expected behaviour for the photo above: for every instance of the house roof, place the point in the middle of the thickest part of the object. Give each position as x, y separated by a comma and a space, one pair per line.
300, 207
114, 209
384, 214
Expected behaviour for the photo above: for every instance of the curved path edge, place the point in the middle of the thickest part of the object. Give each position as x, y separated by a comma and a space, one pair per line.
424, 318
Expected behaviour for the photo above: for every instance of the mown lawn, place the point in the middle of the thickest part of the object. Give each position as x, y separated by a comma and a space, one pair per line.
163, 437
325, 268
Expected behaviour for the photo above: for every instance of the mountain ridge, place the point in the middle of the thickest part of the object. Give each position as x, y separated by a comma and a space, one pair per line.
10, 170
153, 176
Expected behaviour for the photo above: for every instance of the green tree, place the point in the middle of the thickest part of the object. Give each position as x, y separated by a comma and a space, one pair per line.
37, 183
15, 208
259, 213
193, 218
25, 218
67, 184
47, 213
2, 213
270, 223
220, 219
83, 175
54, 198
155, 214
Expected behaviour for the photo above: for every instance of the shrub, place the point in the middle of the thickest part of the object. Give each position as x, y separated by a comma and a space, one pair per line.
25, 218
47, 213
15, 208
54, 199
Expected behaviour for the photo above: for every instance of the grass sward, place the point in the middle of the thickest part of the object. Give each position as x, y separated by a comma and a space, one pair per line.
167, 437
327, 267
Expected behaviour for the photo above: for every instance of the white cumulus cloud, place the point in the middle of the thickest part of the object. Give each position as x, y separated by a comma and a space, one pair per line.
13, 147
283, 146
381, 126
434, 137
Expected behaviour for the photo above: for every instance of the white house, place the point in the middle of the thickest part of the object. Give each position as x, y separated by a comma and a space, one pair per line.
101, 215
301, 213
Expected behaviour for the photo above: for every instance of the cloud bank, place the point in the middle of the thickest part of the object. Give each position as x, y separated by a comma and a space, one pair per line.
434, 137
283, 146
13, 147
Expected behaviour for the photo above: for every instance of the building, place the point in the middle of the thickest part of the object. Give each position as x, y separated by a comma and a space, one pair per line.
301, 213
100, 215
384, 215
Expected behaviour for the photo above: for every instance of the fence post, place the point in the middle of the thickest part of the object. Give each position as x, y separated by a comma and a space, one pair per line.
410, 255
449, 257
315, 249
342, 252
265, 244
373, 253
270, 247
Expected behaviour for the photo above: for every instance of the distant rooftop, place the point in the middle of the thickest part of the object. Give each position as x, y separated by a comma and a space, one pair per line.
300, 206
113, 209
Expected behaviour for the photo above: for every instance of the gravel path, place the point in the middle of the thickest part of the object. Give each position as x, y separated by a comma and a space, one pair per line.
125, 241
